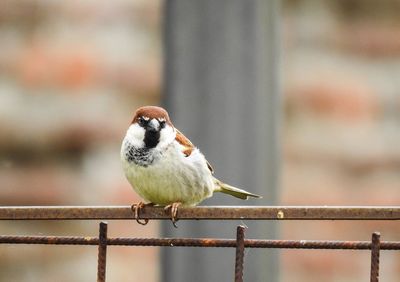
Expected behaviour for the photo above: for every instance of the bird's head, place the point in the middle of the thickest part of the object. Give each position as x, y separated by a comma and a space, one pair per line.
151, 128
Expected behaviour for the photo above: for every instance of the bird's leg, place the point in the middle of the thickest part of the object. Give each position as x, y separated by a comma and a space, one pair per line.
136, 209
174, 212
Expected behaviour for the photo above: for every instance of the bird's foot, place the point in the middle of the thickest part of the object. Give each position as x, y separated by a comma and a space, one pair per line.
136, 209
173, 208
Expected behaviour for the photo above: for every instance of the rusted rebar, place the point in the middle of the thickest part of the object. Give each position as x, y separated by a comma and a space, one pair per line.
375, 248
102, 253
239, 257
49, 240
204, 213
199, 242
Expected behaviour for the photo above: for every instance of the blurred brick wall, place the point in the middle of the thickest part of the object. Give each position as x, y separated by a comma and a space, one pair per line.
342, 115
71, 75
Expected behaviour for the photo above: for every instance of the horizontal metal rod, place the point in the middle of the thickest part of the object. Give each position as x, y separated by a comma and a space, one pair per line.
204, 213
197, 242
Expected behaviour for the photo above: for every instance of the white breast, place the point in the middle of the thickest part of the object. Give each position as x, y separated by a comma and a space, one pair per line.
172, 178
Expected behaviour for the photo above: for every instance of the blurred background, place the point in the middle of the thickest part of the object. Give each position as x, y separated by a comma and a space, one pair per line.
72, 73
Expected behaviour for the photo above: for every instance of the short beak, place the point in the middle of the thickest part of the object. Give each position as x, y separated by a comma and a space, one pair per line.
152, 126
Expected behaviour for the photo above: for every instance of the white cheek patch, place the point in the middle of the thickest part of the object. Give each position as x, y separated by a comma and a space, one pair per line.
167, 136
135, 135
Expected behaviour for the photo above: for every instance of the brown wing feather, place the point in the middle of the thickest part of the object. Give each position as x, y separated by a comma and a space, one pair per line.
188, 146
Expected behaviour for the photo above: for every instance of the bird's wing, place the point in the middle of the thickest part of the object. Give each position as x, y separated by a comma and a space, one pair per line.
188, 146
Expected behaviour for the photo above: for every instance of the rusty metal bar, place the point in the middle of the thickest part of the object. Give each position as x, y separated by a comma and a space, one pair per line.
102, 254
204, 213
199, 242
239, 257
375, 248
49, 240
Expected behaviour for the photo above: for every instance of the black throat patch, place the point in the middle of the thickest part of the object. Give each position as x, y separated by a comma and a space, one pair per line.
151, 138
139, 156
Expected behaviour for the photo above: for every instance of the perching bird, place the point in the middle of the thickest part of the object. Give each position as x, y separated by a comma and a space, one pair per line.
165, 168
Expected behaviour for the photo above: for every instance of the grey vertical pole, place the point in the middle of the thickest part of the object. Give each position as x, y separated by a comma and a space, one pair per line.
222, 91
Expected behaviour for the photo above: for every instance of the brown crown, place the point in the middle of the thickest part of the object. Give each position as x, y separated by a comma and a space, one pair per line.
152, 112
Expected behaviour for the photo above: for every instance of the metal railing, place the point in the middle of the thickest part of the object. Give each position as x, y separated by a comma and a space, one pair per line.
205, 213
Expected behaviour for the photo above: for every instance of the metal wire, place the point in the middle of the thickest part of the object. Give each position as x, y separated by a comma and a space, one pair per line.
239, 257
102, 253
375, 248
199, 242
203, 213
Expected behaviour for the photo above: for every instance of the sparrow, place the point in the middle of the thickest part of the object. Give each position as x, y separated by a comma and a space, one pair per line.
165, 168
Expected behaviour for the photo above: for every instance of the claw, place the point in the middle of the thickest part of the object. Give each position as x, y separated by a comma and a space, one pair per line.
174, 212
136, 209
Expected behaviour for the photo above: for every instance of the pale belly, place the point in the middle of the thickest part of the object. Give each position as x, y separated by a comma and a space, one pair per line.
184, 180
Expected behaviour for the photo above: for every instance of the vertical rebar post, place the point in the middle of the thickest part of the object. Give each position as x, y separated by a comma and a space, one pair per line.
239, 253
102, 254
375, 248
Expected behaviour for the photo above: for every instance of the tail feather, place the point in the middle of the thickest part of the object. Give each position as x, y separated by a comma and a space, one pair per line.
233, 191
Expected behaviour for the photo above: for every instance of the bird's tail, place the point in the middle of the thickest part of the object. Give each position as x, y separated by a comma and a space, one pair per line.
233, 191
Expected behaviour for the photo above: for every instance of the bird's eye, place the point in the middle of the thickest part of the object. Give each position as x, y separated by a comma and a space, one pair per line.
142, 121
162, 124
